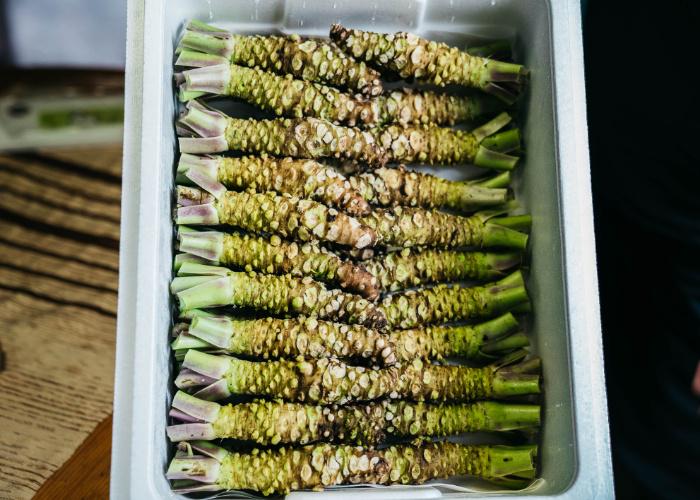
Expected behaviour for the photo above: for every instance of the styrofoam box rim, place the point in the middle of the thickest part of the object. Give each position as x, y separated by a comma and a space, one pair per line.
140, 398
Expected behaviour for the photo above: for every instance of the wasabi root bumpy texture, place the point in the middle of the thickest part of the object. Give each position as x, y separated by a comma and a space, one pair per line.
273, 255
389, 187
445, 303
331, 381
416, 267
302, 178
284, 215
484, 146
282, 95
205, 130
287, 96
274, 338
411, 56
309, 59
424, 107
414, 226
274, 422
321, 465
202, 286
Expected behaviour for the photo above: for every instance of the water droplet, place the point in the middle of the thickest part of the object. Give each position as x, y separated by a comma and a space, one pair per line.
493, 2
211, 12
301, 23
452, 19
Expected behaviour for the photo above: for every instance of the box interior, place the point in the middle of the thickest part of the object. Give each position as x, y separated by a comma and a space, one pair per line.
459, 23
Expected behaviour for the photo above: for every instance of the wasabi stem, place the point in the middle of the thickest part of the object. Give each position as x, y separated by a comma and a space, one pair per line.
205, 130
277, 422
442, 303
410, 227
432, 62
208, 286
483, 147
272, 255
302, 178
286, 216
282, 95
416, 267
331, 381
388, 187
321, 465
273, 338
500, 180
312, 60
415, 107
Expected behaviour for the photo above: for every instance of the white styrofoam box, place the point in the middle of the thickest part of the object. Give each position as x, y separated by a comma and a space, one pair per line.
553, 183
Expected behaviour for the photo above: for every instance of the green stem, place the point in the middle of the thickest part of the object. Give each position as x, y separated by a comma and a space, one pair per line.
521, 223
501, 180
503, 142
496, 235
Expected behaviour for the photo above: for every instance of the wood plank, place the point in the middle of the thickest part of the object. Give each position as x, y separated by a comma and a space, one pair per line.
56, 387
86, 473
58, 284
30, 238
70, 181
104, 158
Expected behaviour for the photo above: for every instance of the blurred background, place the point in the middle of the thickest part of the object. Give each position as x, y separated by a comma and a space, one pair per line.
61, 111
61, 114
63, 66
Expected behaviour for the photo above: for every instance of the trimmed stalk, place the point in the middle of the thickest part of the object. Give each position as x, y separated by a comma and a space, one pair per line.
282, 95
442, 303
208, 286
311, 59
182, 258
521, 223
273, 338
278, 422
286, 216
205, 130
415, 107
330, 381
484, 146
410, 227
272, 255
388, 187
410, 268
500, 180
279, 471
432, 62
302, 178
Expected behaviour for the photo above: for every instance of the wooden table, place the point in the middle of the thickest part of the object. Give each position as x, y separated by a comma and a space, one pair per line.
59, 240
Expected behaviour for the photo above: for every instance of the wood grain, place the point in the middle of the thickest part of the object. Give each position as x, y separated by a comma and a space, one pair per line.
59, 237
85, 476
